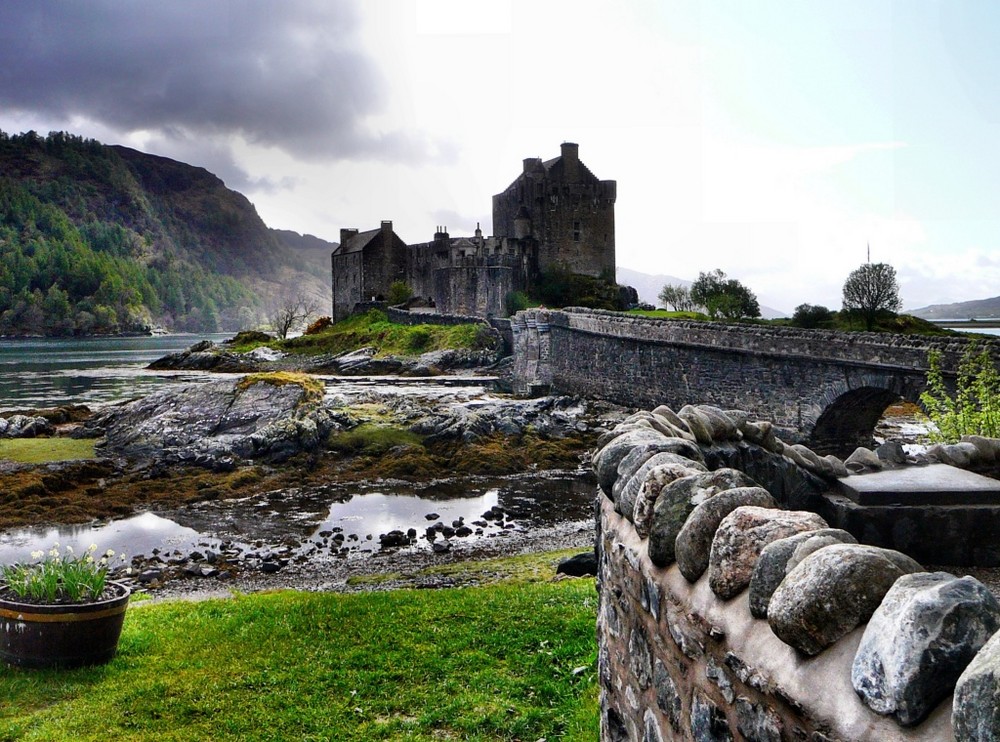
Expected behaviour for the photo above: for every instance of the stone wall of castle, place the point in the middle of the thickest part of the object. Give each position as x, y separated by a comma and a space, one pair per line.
347, 289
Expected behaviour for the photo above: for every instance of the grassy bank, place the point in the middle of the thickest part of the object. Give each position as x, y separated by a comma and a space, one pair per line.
373, 329
488, 663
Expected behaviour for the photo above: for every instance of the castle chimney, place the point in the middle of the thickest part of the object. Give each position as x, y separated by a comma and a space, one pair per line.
346, 234
531, 164
386, 226
570, 160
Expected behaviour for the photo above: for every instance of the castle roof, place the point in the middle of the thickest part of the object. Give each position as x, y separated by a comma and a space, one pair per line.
553, 168
357, 242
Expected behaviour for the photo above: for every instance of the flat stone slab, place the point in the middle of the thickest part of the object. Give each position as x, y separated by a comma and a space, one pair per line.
936, 484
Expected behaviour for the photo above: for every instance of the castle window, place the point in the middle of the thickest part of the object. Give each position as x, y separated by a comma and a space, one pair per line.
576, 231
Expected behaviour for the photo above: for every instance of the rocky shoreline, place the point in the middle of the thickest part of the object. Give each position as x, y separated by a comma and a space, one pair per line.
387, 569
273, 428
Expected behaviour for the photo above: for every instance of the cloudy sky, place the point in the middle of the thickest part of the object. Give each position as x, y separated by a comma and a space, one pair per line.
775, 140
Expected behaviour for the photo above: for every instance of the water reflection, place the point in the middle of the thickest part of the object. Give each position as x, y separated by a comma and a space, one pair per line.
139, 534
301, 519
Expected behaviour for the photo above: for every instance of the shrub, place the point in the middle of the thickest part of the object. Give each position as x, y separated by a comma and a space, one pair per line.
399, 292
319, 325
975, 408
516, 301
811, 316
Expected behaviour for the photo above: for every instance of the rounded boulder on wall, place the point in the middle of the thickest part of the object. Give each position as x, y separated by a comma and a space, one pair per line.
742, 535
693, 546
676, 502
832, 592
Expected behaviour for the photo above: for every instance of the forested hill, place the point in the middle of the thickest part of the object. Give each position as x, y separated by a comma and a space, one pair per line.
98, 239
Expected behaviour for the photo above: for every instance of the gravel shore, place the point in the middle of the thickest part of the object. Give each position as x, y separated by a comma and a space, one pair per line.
392, 568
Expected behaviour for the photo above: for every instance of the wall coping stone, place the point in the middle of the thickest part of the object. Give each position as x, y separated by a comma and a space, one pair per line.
821, 684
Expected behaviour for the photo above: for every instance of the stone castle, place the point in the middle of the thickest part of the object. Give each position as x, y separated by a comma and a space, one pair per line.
556, 214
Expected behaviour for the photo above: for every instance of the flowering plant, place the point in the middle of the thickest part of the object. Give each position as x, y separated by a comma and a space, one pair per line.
55, 577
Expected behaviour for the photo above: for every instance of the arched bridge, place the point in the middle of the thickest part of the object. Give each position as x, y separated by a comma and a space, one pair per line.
822, 387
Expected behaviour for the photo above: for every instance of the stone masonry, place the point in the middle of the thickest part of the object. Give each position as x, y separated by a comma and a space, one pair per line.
771, 626
824, 387
556, 214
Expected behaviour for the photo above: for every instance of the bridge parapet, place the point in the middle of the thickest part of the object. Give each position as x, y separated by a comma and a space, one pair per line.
833, 384
875, 348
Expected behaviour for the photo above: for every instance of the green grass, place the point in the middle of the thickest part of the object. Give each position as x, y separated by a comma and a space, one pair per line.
373, 329
485, 663
42, 450
372, 439
667, 314
523, 568
904, 324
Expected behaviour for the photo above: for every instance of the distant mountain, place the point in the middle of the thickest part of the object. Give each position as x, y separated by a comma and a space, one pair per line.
649, 288
314, 250
978, 308
98, 239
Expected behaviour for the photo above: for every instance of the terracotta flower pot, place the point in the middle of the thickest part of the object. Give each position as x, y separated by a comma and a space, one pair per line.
67, 635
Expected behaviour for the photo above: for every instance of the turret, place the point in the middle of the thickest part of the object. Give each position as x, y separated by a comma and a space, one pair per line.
571, 160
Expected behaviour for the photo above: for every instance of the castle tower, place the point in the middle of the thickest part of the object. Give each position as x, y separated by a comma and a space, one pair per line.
564, 209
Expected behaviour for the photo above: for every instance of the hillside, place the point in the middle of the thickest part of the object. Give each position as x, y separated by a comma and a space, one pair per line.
978, 308
314, 251
98, 239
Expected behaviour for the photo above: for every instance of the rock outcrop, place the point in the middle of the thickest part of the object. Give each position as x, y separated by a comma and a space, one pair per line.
214, 423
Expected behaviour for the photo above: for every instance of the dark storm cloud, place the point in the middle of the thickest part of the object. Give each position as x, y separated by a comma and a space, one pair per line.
289, 74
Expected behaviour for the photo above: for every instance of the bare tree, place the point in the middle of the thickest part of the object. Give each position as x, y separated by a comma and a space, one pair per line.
288, 312
871, 290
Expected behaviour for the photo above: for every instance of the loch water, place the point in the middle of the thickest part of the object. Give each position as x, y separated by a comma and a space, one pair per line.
52, 372
298, 521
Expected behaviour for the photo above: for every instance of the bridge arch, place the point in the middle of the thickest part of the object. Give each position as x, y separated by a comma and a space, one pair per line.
850, 411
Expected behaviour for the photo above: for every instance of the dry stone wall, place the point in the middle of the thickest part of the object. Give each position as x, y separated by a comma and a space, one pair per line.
726, 615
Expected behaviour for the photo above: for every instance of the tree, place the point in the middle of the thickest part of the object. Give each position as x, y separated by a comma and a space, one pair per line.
724, 297
287, 312
399, 293
811, 316
676, 296
872, 290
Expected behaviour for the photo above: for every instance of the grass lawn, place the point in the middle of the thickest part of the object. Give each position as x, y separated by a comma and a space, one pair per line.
509, 661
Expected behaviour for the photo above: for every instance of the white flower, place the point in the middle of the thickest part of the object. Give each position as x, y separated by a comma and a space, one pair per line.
92, 548
109, 553
37, 554
69, 549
